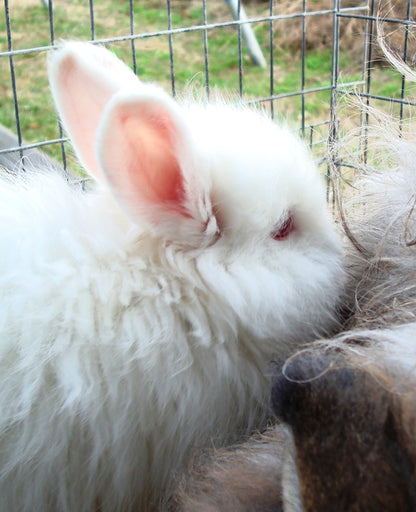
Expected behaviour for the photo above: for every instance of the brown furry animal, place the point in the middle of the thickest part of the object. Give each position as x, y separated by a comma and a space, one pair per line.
243, 479
352, 414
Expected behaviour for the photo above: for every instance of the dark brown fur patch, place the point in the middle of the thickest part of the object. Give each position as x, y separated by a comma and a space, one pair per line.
349, 430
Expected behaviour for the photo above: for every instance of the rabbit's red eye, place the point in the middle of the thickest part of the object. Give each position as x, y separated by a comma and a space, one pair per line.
284, 230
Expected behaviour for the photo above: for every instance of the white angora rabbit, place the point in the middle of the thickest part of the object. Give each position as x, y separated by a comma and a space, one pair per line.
138, 320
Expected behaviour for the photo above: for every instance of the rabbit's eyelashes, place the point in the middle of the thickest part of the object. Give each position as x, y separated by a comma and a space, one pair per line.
285, 228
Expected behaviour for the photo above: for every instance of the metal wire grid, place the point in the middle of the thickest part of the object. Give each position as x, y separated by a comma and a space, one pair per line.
327, 128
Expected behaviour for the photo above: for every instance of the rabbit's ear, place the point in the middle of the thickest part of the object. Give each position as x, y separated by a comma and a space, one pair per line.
147, 154
83, 77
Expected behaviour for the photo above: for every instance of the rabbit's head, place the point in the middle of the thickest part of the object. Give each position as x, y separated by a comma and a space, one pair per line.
221, 182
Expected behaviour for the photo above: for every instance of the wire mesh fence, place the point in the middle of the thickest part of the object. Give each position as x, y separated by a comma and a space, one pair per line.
316, 53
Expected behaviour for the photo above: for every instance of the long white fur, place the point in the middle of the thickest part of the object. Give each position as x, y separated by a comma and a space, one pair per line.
130, 334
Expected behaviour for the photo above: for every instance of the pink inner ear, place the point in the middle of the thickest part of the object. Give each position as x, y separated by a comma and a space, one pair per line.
160, 177
140, 149
81, 103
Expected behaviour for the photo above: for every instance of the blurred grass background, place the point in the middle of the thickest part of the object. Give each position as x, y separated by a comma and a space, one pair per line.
31, 28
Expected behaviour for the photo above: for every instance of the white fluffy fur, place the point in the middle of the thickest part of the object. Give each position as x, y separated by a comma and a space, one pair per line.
133, 333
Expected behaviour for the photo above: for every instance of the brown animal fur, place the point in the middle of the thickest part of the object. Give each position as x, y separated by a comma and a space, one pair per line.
243, 479
353, 427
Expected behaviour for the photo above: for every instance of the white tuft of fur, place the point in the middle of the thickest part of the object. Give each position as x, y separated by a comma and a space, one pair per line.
135, 330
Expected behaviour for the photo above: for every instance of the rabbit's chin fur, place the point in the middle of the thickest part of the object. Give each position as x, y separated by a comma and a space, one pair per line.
129, 340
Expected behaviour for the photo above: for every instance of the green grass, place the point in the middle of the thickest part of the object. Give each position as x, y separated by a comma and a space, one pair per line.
30, 27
